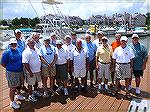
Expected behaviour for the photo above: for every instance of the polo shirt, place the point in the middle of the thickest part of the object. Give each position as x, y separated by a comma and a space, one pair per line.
104, 54
48, 53
13, 60
140, 53
69, 48
91, 49
21, 45
123, 55
63, 56
79, 59
32, 58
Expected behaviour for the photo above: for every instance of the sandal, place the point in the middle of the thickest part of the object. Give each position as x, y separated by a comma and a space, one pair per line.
128, 95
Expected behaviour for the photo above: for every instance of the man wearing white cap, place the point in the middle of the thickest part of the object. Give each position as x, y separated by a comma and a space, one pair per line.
98, 41
123, 63
36, 37
20, 42
12, 61
70, 48
140, 60
103, 60
61, 66
53, 39
48, 57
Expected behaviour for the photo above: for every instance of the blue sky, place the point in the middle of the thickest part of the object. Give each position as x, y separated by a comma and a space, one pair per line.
82, 8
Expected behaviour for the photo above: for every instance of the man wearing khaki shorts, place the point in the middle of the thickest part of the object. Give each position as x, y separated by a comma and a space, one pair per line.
48, 57
32, 63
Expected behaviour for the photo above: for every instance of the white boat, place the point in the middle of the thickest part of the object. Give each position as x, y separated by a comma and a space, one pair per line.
140, 31
108, 30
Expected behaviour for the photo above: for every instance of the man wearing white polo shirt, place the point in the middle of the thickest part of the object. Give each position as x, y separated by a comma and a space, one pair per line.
123, 63
80, 65
32, 63
69, 47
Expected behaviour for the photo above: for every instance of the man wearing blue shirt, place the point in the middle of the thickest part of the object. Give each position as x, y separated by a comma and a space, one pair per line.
140, 60
91, 49
12, 61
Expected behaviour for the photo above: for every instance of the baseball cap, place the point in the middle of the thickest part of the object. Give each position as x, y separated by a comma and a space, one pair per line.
52, 34
104, 38
135, 35
67, 36
17, 30
123, 38
59, 42
100, 32
13, 41
47, 38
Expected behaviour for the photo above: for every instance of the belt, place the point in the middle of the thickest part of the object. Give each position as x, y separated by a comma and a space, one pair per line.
123, 63
104, 63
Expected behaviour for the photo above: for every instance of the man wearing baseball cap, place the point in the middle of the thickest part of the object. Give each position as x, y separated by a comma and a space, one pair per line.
123, 63
140, 60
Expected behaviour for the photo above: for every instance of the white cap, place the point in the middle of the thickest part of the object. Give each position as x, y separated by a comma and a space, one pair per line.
104, 37
67, 36
13, 41
52, 34
100, 32
135, 35
87, 35
17, 30
59, 42
123, 38
46, 38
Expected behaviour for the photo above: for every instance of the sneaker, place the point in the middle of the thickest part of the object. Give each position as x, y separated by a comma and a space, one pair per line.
137, 91
52, 92
46, 94
19, 97
76, 89
83, 89
99, 88
37, 93
65, 91
59, 89
32, 98
14, 105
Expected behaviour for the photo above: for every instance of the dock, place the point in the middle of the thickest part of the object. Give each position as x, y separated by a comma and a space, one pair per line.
83, 102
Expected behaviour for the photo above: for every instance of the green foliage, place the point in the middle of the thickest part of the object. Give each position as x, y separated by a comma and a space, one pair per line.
3, 22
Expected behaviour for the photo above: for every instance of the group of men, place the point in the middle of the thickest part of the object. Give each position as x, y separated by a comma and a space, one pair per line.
56, 59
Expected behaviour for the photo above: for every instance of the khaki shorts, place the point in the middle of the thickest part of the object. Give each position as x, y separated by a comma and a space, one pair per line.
32, 80
79, 73
104, 70
123, 71
14, 78
46, 72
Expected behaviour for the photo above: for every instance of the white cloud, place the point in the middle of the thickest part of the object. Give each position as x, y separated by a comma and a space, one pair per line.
82, 8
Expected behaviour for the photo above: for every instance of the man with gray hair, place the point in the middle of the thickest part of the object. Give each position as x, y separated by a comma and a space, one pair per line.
123, 63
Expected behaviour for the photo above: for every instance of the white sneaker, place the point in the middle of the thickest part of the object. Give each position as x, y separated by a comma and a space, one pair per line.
14, 105
19, 97
46, 94
99, 88
106, 86
65, 91
32, 98
137, 91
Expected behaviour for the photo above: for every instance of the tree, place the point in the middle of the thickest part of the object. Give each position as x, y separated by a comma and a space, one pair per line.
34, 21
4, 23
148, 18
24, 21
16, 22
